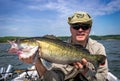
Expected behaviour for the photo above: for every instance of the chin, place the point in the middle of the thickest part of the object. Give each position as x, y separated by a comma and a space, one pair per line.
80, 38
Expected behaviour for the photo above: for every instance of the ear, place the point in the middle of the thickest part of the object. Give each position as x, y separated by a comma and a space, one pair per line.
90, 30
71, 30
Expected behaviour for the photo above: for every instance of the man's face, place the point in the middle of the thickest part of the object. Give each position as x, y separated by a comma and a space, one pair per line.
80, 32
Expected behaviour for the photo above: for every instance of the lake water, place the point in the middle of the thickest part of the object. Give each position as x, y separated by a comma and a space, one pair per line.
112, 50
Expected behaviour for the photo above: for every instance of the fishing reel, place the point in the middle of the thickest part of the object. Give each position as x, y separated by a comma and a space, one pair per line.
6, 73
30, 75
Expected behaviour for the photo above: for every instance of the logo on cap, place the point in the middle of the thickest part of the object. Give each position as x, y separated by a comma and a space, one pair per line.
80, 15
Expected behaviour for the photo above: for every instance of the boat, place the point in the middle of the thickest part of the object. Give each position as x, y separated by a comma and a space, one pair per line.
29, 75
112, 77
32, 75
21, 77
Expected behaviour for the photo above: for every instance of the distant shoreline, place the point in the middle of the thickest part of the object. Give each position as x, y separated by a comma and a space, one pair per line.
105, 37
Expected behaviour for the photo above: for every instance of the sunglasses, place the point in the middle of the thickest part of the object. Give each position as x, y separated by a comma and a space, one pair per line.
82, 26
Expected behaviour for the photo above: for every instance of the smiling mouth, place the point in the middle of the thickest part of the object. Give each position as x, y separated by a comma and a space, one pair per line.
80, 34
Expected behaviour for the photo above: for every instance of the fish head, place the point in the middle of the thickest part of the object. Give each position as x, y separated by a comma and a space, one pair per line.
23, 46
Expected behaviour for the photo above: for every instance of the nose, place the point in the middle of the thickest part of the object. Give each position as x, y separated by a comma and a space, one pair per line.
80, 29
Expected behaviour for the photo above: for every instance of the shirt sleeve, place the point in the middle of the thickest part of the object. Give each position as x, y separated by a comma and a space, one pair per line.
101, 73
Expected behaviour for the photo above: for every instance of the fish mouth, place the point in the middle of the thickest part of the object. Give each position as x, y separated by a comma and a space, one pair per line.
13, 50
24, 53
27, 50
19, 51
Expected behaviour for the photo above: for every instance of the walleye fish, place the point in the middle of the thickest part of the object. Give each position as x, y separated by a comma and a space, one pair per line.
54, 50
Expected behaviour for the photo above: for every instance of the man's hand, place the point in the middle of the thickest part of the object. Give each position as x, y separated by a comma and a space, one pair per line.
38, 64
82, 65
28, 60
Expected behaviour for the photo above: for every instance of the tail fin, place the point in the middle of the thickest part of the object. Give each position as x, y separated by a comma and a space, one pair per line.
100, 60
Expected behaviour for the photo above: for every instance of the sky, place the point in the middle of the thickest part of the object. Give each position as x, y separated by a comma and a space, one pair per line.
41, 17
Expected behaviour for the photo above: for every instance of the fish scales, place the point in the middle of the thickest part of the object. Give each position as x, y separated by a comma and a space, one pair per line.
61, 52
57, 51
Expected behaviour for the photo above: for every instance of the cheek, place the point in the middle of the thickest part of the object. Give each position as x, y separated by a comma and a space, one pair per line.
87, 31
73, 32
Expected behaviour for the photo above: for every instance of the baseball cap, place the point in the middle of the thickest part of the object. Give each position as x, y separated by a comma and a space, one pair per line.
80, 17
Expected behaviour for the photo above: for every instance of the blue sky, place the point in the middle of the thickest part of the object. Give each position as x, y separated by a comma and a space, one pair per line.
41, 17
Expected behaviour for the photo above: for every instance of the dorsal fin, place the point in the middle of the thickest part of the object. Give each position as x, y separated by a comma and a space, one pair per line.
78, 46
51, 37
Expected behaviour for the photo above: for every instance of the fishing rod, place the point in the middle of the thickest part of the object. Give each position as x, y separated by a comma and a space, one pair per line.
18, 71
9, 72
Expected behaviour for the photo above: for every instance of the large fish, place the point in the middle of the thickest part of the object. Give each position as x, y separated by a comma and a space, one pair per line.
54, 50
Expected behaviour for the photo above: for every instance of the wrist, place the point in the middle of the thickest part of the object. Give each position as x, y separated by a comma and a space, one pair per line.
38, 62
86, 69
39, 67
89, 73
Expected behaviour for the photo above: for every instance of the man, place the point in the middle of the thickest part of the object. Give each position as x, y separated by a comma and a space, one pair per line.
80, 27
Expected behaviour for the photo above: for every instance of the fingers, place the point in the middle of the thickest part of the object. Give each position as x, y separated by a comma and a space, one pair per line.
78, 65
28, 60
81, 64
84, 61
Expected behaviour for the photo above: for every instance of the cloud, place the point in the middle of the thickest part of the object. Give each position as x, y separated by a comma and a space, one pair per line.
113, 6
65, 7
58, 5
27, 16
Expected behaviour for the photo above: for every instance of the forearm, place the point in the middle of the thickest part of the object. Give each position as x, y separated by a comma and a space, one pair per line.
40, 68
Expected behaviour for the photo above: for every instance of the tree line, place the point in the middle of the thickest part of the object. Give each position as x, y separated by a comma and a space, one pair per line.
105, 37
64, 38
